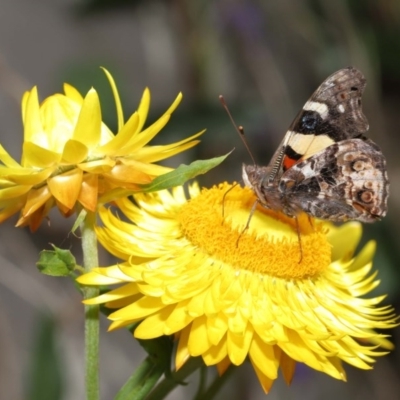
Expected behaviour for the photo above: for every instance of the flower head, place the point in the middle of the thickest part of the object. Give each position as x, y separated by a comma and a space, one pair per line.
69, 155
190, 270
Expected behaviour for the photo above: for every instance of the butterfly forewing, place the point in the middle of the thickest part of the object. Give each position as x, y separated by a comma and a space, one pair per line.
333, 113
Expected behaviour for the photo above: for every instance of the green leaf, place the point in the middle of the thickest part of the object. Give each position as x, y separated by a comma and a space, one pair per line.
57, 262
182, 174
145, 377
141, 382
161, 350
45, 379
166, 385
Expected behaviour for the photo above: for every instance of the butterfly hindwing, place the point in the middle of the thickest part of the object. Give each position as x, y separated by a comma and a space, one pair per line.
346, 181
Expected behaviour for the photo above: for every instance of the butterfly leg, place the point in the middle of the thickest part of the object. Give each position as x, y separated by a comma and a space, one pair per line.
252, 211
310, 221
223, 201
299, 239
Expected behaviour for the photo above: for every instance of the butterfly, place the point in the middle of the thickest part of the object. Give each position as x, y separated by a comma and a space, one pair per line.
325, 166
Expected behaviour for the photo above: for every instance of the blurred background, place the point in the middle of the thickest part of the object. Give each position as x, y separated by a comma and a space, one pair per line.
266, 58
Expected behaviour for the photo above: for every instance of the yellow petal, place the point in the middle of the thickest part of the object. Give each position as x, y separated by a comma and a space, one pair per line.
217, 328
74, 152
174, 105
198, 340
126, 174
10, 210
216, 354
6, 159
223, 365
288, 367
145, 136
26, 176
344, 240
147, 168
116, 294
98, 166
66, 187
364, 256
140, 309
39, 157
262, 355
238, 345
266, 383
72, 93
157, 153
34, 220
24, 102
89, 191
120, 114
178, 319
14, 192
118, 142
36, 199
101, 276
182, 352
143, 109
153, 326
58, 115
87, 129
32, 121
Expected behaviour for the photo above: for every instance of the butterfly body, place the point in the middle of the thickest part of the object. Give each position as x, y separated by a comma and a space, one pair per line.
325, 166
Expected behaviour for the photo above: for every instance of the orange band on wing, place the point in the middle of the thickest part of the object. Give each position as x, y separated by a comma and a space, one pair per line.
288, 163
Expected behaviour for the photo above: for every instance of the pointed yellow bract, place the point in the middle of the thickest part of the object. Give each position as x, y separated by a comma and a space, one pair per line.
229, 295
70, 156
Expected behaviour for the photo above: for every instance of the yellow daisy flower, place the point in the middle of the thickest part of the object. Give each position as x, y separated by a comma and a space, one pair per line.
69, 155
230, 295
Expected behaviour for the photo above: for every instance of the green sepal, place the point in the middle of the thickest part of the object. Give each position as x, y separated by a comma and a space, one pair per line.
81, 216
57, 262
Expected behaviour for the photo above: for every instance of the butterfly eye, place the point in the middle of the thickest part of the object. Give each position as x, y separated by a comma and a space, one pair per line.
309, 121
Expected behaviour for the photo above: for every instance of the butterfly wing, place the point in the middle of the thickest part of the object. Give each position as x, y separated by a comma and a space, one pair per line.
346, 181
332, 114
324, 165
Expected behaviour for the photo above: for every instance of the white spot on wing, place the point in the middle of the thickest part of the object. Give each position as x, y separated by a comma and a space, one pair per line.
320, 108
307, 171
341, 108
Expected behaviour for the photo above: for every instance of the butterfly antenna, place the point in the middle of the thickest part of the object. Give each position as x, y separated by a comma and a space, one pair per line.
239, 129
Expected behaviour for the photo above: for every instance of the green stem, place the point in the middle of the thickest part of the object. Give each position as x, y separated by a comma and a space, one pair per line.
202, 383
217, 384
168, 384
90, 261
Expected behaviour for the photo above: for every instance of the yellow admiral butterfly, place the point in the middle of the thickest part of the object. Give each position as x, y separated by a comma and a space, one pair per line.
325, 166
